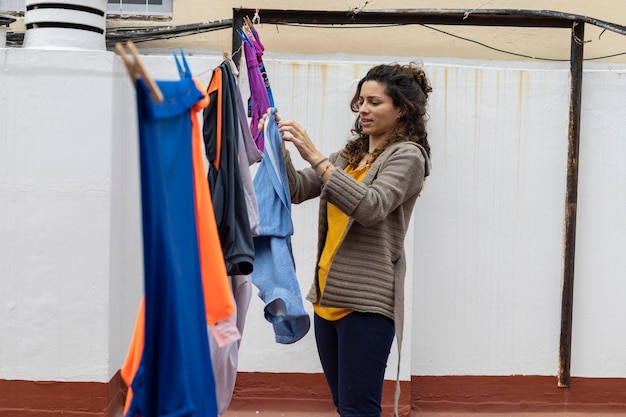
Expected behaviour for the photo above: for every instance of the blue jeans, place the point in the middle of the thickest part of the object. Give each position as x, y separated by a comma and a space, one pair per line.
354, 352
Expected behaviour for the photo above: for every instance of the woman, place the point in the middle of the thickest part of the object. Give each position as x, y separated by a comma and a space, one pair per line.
367, 192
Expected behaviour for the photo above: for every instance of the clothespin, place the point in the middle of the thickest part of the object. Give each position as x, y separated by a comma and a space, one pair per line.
256, 18
233, 67
244, 37
247, 21
183, 69
136, 70
241, 35
247, 26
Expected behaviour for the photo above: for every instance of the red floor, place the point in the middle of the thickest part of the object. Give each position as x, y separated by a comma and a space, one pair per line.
306, 395
263, 412
247, 408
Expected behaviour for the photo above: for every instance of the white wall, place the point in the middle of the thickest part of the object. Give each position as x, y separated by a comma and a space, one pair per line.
487, 296
56, 132
599, 340
485, 257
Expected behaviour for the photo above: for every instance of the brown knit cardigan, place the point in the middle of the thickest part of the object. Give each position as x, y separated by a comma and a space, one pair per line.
367, 272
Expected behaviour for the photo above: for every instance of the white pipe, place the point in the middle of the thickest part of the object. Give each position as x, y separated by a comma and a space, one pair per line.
65, 26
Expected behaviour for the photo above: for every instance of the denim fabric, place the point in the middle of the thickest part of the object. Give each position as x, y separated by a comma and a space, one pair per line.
274, 267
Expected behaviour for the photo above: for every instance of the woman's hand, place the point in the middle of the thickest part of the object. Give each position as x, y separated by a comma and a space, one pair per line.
292, 132
296, 134
261, 124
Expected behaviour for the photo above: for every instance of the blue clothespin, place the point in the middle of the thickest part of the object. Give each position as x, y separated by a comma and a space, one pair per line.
183, 72
244, 37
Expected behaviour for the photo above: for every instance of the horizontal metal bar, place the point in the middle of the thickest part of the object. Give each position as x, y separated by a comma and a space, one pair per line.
462, 17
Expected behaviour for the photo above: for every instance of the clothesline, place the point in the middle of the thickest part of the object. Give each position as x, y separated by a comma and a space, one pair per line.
205, 235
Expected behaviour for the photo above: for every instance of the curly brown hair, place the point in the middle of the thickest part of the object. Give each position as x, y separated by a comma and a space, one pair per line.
408, 87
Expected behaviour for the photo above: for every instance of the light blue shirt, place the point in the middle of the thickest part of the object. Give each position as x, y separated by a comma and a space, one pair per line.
274, 266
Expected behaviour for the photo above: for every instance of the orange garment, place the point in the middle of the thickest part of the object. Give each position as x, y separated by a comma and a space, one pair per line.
216, 85
133, 357
218, 298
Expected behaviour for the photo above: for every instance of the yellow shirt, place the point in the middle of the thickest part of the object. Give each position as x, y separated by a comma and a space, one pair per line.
337, 223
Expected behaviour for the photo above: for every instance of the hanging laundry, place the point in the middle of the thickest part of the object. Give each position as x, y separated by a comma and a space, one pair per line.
259, 49
225, 359
274, 270
220, 132
168, 367
259, 97
250, 153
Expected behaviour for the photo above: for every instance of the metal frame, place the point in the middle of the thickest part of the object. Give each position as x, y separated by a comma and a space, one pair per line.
512, 18
6, 19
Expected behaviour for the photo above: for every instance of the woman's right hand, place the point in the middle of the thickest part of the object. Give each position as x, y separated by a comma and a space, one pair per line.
261, 125
296, 134
292, 132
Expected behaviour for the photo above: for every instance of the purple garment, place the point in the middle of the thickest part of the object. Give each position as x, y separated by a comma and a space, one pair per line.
259, 49
258, 93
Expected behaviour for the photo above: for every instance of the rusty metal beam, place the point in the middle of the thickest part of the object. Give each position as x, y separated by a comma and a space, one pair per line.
458, 17
571, 203
411, 16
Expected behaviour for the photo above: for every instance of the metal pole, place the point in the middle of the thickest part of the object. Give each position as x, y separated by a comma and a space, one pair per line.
238, 15
571, 201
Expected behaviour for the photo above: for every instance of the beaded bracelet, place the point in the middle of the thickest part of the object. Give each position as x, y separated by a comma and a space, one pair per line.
324, 172
318, 163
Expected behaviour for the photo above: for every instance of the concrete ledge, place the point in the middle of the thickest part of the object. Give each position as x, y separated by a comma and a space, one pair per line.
56, 398
308, 394
518, 393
